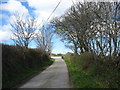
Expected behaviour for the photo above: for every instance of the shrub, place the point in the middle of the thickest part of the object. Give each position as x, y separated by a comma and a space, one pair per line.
105, 68
82, 78
109, 69
83, 60
16, 60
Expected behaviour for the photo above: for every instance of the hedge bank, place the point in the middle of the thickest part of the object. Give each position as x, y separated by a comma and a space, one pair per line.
19, 63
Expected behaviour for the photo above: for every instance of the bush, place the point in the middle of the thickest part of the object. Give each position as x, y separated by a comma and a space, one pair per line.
109, 69
82, 78
16, 60
83, 60
104, 68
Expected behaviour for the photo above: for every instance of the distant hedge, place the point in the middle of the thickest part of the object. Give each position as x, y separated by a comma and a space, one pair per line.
16, 60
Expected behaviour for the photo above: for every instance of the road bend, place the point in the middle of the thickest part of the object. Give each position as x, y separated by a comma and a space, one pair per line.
55, 76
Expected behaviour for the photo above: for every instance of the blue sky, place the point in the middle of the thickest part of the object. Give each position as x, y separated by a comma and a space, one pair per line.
37, 8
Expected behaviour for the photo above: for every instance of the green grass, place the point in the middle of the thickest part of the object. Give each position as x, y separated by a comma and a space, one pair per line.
26, 73
83, 78
57, 54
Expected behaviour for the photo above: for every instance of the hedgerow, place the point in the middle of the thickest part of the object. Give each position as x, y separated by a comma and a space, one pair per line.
17, 60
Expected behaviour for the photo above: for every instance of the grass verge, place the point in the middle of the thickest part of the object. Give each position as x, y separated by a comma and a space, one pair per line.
26, 74
83, 78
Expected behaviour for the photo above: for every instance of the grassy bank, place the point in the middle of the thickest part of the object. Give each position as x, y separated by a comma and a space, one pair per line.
81, 78
88, 72
57, 54
19, 64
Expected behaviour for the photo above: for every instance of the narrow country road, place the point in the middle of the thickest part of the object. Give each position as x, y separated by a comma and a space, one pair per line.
55, 76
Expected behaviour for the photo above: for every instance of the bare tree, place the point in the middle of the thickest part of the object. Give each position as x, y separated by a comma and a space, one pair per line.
23, 29
92, 27
64, 29
44, 40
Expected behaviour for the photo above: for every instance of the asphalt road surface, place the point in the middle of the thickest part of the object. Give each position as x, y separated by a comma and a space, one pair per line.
55, 76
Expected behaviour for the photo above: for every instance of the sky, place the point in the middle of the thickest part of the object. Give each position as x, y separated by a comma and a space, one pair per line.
41, 9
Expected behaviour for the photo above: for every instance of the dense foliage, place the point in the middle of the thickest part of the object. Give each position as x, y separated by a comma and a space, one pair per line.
92, 72
16, 60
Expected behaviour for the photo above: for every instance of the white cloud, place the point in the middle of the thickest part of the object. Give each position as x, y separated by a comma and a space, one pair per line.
14, 6
5, 32
4, 35
44, 8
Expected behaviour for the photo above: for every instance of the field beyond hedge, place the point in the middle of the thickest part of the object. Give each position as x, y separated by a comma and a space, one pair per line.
20, 63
